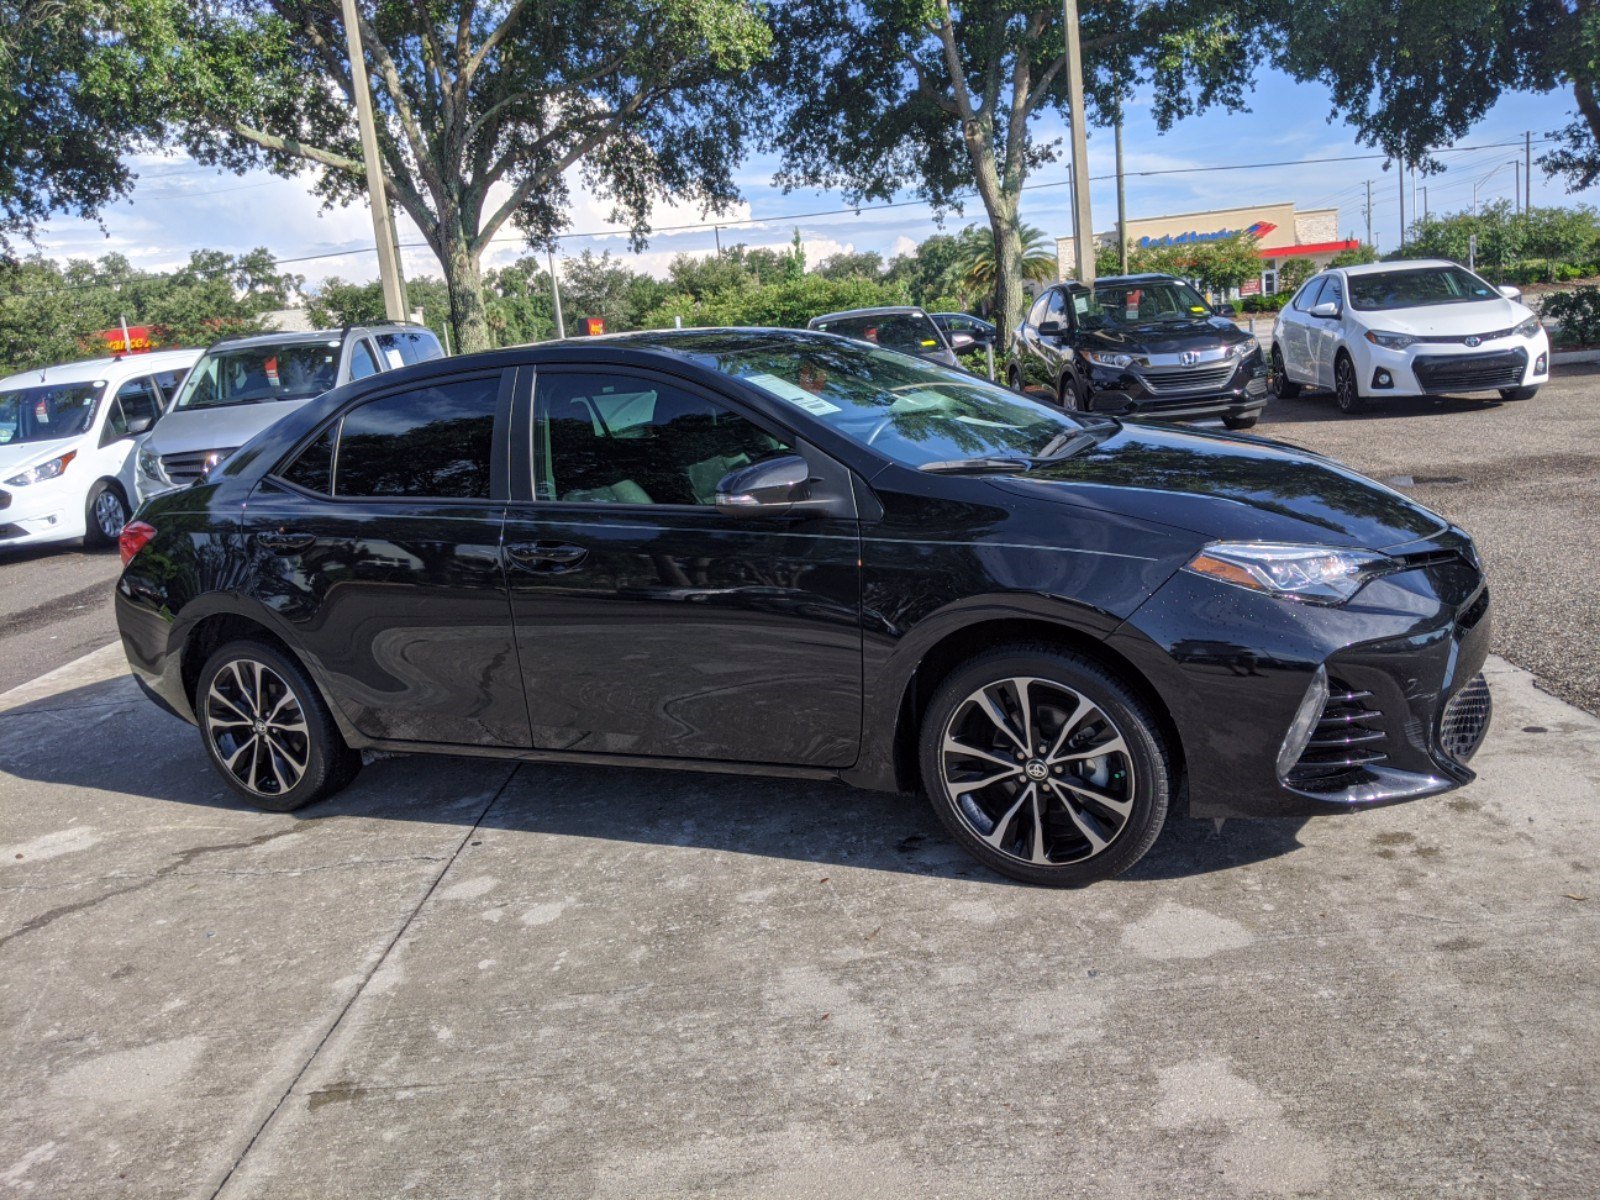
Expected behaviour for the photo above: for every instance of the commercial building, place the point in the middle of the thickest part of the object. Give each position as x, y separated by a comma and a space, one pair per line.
1282, 232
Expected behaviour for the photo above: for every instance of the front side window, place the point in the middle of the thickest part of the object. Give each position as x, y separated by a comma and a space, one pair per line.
1417, 287
135, 399
1056, 309
1036, 313
435, 442
1306, 298
910, 333
1146, 302
312, 468
260, 373
911, 411
41, 414
620, 439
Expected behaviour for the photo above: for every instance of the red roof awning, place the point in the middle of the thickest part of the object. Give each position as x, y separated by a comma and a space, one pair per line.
1308, 248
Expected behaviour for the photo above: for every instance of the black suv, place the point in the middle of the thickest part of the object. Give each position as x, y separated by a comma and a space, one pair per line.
1139, 346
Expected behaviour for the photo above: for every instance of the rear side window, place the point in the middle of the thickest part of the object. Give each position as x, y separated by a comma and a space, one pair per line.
913, 333
402, 347
433, 442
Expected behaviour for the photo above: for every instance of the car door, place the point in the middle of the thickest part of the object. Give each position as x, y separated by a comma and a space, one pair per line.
650, 623
1297, 359
130, 413
377, 544
1028, 350
1325, 333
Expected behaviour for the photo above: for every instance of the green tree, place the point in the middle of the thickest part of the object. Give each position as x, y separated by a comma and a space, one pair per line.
980, 269
932, 272
789, 303
482, 108
846, 265
876, 96
336, 302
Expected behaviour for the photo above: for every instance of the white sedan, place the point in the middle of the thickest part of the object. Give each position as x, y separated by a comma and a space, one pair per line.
1419, 328
68, 437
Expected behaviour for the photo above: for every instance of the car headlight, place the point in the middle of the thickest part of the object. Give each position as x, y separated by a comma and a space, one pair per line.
1528, 328
1246, 348
45, 470
1389, 341
1102, 358
1311, 574
150, 464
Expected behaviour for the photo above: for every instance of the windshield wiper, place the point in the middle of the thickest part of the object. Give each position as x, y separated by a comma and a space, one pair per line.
976, 466
1075, 441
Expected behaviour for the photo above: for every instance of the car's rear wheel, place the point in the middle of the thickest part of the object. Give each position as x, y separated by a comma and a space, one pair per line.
1283, 387
104, 514
267, 729
1346, 389
1044, 766
1237, 423
1519, 393
1014, 379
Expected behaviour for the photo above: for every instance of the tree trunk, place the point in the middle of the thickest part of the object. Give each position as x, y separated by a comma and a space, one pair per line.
464, 279
1010, 300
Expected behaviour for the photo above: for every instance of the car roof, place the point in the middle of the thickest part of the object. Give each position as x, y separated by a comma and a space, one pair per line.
122, 366
1399, 264
1140, 277
963, 315
888, 310
298, 338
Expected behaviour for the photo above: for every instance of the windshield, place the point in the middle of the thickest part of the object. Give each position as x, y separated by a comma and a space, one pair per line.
40, 414
260, 373
1147, 301
1417, 287
910, 333
912, 412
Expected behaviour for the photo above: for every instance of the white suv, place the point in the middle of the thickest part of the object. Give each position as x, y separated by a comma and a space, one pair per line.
1427, 327
69, 436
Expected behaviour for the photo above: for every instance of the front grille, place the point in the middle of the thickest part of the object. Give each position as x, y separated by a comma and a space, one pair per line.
1174, 381
1460, 339
11, 531
5, 499
1465, 720
1470, 372
1344, 740
190, 465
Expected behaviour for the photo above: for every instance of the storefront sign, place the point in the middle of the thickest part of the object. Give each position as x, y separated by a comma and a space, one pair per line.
138, 336
1259, 229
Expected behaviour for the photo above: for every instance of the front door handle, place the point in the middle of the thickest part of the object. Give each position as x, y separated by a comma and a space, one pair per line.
547, 556
284, 541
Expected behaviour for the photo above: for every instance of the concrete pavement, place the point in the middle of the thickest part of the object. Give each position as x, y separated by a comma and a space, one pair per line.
464, 978
55, 607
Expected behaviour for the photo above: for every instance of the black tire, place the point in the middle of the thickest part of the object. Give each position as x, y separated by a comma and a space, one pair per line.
317, 750
1346, 387
1136, 775
1239, 423
1069, 394
99, 517
1283, 387
1519, 393
1014, 379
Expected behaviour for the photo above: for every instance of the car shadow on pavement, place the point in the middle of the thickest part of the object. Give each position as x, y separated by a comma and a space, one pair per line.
1318, 407
825, 823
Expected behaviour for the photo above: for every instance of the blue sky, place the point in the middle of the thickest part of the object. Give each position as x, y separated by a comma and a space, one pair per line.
180, 206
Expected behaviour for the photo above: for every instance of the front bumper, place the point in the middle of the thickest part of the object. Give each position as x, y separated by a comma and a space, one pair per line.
49, 511
1403, 660
1133, 393
1442, 369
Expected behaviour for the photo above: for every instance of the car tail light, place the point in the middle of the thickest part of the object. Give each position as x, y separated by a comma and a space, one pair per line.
132, 539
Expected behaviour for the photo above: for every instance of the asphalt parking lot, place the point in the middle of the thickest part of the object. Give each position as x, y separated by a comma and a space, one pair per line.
465, 978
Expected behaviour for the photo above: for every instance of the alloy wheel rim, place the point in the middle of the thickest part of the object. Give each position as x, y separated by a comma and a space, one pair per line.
1038, 771
108, 513
1277, 372
1347, 383
257, 727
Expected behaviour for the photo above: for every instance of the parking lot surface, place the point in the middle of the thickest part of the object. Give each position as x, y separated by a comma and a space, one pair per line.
466, 978
55, 606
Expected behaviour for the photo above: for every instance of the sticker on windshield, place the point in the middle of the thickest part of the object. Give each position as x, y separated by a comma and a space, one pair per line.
794, 394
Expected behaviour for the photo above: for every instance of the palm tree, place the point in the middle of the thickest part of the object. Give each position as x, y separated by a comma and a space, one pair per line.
978, 267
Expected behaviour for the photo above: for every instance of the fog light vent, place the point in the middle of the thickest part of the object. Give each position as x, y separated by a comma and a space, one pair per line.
1465, 720
1305, 721
1345, 737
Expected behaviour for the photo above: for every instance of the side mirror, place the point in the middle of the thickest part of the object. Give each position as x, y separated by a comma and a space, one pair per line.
1327, 310
1052, 328
782, 487
1226, 310
1509, 292
138, 425
960, 341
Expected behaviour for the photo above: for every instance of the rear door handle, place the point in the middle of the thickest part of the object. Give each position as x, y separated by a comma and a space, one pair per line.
284, 541
546, 556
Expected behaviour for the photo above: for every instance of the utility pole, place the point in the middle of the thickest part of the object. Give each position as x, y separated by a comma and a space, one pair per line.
716, 232
1424, 202
1083, 221
1370, 242
1516, 194
399, 266
394, 296
555, 290
1527, 171
1402, 166
1122, 205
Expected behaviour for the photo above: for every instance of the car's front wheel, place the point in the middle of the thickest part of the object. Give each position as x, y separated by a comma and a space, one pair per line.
1283, 387
1044, 766
1069, 394
1239, 423
267, 729
105, 513
1519, 393
1346, 390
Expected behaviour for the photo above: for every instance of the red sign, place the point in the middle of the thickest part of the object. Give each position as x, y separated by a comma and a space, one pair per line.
594, 326
138, 335
1250, 287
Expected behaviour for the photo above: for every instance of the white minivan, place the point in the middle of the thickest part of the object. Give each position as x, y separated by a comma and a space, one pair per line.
69, 439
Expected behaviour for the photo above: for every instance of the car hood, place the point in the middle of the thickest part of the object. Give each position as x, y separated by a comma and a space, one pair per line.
1229, 488
1166, 337
1480, 316
19, 456
225, 428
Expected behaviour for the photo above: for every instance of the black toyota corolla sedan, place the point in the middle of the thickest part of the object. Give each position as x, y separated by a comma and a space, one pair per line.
787, 553
1139, 346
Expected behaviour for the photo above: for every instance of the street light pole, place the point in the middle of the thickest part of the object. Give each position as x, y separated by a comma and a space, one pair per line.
555, 291
394, 300
1084, 223
1122, 206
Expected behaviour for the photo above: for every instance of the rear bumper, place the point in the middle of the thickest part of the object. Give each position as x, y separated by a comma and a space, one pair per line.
1406, 647
1127, 393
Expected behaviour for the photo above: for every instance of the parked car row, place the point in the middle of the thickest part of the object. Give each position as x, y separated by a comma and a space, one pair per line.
82, 445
